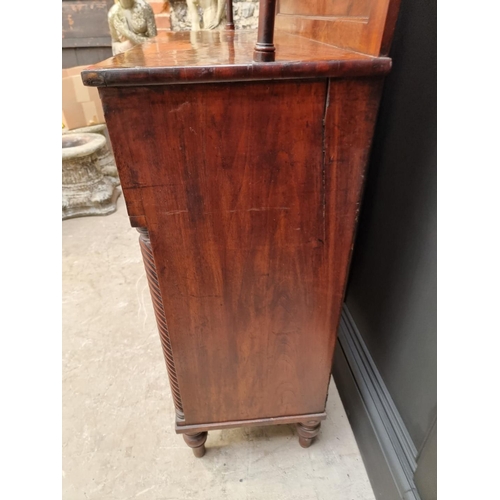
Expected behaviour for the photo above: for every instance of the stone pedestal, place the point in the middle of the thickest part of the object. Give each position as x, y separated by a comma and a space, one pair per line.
105, 156
85, 190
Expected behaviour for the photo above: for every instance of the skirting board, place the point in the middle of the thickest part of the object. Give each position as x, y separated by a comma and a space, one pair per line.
181, 428
385, 445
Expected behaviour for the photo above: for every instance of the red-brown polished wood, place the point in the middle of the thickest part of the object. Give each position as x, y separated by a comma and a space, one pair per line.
211, 56
253, 241
365, 26
240, 231
244, 180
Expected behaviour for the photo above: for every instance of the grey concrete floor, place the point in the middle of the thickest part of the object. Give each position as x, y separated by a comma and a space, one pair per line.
118, 420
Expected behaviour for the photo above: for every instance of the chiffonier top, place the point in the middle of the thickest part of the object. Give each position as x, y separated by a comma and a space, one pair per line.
211, 56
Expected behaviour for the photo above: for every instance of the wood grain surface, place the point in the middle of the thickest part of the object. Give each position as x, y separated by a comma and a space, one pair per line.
365, 26
209, 56
250, 193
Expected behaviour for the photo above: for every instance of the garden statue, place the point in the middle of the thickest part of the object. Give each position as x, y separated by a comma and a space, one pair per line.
131, 22
86, 190
213, 14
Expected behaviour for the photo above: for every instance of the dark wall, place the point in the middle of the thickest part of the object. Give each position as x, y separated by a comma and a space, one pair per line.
392, 286
85, 32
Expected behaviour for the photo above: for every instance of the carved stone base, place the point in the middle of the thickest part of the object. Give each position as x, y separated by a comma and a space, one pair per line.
85, 190
307, 432
196, 442
104, 155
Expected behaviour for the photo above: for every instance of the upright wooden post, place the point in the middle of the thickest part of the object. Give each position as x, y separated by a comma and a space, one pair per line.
264, 50
229, 15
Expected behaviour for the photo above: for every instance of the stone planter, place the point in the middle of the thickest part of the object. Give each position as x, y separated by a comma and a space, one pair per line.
105, 157
85, 190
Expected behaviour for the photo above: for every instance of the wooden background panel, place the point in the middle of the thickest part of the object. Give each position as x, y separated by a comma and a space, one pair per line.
234, 204
367, 26
326, 8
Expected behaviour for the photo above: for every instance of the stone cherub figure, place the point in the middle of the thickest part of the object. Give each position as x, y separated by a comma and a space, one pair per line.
213, 14
131, 22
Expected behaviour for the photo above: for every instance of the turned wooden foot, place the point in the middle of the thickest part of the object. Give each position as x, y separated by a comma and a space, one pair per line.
196, 442
307, 432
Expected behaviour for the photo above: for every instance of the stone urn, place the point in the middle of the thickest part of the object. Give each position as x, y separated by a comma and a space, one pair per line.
85, 189
106, 159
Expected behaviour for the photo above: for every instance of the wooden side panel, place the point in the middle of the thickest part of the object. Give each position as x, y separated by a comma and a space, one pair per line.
250, 231
349, 123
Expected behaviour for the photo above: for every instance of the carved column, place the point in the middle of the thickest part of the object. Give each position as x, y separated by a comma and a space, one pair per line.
154, 288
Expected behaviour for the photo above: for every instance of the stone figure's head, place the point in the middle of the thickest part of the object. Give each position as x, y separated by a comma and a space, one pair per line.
127, 4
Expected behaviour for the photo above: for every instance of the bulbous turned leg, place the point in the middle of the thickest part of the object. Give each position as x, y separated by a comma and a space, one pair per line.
196, 442
307, 432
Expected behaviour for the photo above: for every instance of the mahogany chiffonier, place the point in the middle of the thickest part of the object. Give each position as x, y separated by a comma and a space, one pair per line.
242, 167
